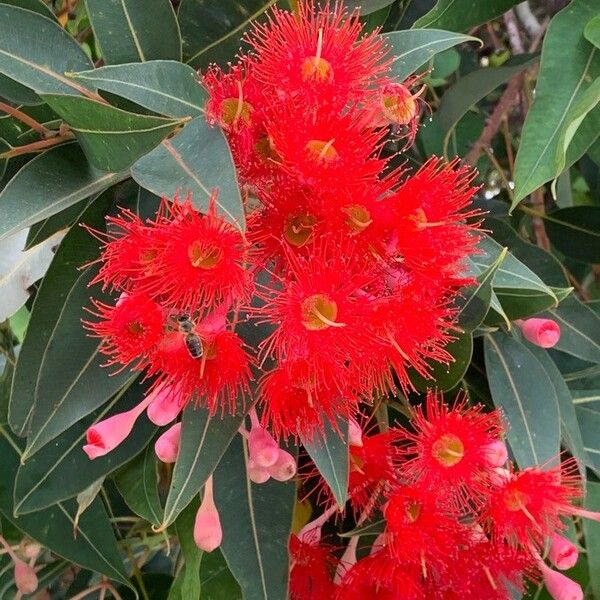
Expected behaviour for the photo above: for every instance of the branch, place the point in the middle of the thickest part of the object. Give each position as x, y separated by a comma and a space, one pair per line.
529, 20
29, 121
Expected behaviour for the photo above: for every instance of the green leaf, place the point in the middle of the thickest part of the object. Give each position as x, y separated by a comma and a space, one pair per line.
112, 139
329, 451
472, 88
521, 388
184, 526
41, 480
592, 31
137, 482
129, 30
95, 546
217, 582
588, 398
36, 6
447, 377
414, 48
211, 34
366, 8
256, 522
50, 394
579, 329
204, 440
48, 184
591, 531
570, 432
16, 93
27, 58
164, 86
575, 231
195, 161
563, 44
460, 15
589, 424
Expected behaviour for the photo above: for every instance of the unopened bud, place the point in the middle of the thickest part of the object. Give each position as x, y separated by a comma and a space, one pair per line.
559, 586
496, 454
25, 578
354, 433
263, 449
167, 445
165, 405
563, 553
257, 474
284, 468
208, 533
541, 332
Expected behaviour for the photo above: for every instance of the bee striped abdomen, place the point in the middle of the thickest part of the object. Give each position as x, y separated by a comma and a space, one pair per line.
194, 345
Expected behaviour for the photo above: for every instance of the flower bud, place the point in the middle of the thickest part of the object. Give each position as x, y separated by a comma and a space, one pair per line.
354, 433
563, 553
208, 533
263, 449
31, 549
559, 586
496, 454
167, 445
284, 468
166, 404
541, 332
25, 578
257, 474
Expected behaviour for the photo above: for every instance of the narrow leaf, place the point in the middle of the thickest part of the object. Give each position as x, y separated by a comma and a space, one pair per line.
521, 388
184, 526
575, 231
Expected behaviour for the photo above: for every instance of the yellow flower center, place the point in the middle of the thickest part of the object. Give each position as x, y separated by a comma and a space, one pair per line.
203, 257
359, 218
135, 328
319, 312
299, 228
448, 450
400, 108
235, 109
316, 69
321, 151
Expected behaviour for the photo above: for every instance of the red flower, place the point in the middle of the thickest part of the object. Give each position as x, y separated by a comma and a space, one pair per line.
447, 449
313, 565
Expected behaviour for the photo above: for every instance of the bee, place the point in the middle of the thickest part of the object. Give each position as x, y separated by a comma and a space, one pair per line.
192, 340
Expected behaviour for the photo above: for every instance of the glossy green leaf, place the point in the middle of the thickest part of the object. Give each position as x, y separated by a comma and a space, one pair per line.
164, 86
37, 6
204, 440
591, 531
589, 424
48, 184
137, 482
256, 521
413, 48
575, 231
133, 31
112, 139
49, 394
521, 388
41, 481
460, 15
472, 88
366, 8
216, 579
579, 329
184, 527
330, 453
95, 546
195, 161
563, 44
16, 93
40, 54
592, 31
212, 34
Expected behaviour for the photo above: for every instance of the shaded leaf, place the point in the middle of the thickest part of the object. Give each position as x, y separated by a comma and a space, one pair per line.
36, 6
366, 8
414, 48
48, 184
184, 526
112, 139
216, 579
575, 231
592, 31
204, 440
589, 424
26, 59
521, 388
129, 30
563, 44
16, 93
330, 453
256, 522
163, 86
195, 161
591, 531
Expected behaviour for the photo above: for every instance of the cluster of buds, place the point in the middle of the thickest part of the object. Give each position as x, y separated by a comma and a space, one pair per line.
460, 520
23, 557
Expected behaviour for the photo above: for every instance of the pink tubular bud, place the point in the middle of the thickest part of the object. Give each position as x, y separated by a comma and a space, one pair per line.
559, 586
263, 449
563, 553
167, 445
165, 405
541, 332
25, 578
257, 474
105, 436
496, 454
208, 533
284, 468
354, 433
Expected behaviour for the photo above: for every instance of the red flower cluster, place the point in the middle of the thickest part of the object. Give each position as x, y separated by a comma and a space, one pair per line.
459, 521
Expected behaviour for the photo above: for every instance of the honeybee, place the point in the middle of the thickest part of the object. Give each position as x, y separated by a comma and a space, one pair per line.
192, 340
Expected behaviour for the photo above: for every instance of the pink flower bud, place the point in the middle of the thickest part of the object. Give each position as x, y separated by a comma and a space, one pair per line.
166, 404
263, 449
541, 332
31, 549
25, 577
496, 454
105, 436
563, 553
167, 445
257, 474
559, 586
284, 468
354, 433
208, 533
